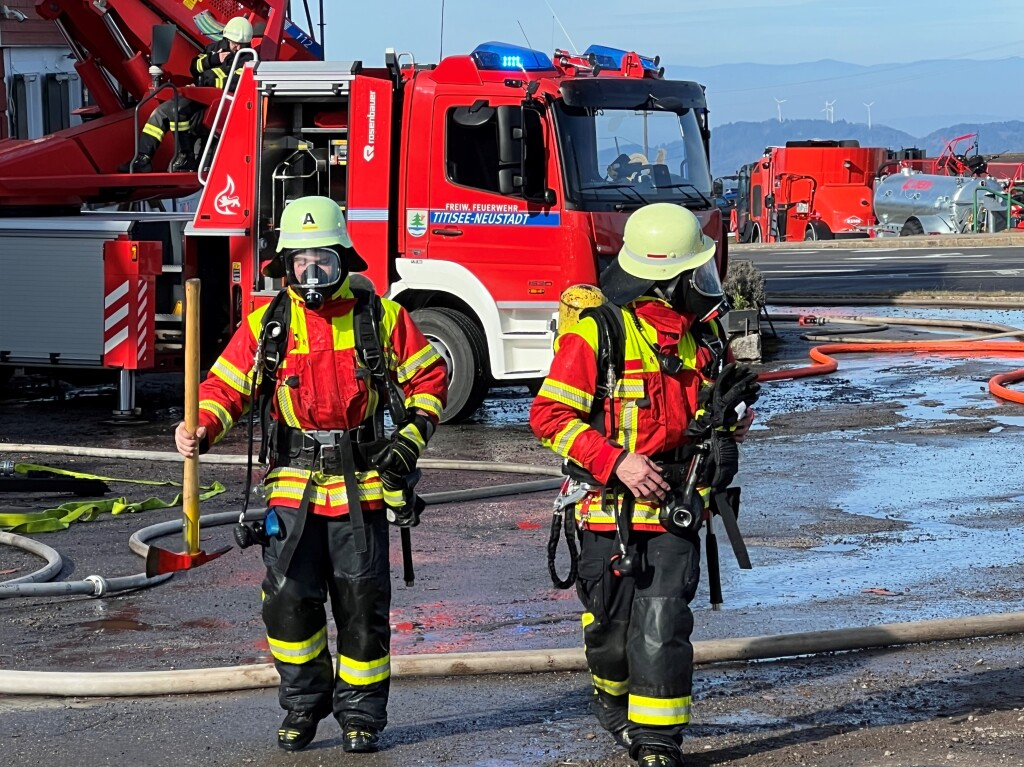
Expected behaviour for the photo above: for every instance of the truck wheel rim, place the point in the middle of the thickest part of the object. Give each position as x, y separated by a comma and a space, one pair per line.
442, 348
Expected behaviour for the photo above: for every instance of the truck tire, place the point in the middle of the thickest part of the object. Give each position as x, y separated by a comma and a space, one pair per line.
464, 349
911, 228
755, 234
817, 230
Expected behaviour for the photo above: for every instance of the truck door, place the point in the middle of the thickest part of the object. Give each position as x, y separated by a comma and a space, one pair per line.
513, 246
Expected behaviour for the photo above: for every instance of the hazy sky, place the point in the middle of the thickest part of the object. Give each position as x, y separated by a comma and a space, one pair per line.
693, 33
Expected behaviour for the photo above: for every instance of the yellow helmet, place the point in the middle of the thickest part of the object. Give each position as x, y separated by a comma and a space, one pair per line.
660, 242
238, 30
313, 222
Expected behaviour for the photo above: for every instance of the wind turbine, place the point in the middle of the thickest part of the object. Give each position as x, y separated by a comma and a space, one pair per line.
778, 105
829, 111
869, 112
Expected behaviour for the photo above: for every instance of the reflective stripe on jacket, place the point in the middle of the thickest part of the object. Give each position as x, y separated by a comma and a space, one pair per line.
652, 408
207, 69
321, 384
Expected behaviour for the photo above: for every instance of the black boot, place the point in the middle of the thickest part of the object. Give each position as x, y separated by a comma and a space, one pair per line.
297, 730
185, 162
648, 757
358, 738
141, 163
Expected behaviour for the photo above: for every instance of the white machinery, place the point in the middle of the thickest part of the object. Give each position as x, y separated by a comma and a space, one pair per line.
909, 203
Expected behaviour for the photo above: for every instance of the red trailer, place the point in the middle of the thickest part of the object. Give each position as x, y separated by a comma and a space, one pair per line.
807, 190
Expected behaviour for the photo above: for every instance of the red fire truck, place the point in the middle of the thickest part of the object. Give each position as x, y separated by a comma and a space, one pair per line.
807, 190
476, 189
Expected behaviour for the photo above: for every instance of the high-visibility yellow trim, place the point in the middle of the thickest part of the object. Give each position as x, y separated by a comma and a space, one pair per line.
152, 130
361, 673
220, 413
425, 402
564, 440
298, 652
286, 408
587, 618
426, 356
566, 395
629, 424
232, 376
611, 687
411, 433
659, 711
342, 333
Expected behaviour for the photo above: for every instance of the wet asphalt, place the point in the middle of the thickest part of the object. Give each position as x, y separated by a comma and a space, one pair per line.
887, 491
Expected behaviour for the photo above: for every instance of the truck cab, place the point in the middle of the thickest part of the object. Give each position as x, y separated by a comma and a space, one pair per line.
476, 189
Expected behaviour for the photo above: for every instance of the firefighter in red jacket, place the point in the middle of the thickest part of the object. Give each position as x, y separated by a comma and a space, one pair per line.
209, 69
635, 580
335, 480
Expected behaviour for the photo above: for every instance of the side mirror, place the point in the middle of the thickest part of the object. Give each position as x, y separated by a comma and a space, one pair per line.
510, 134
163, 40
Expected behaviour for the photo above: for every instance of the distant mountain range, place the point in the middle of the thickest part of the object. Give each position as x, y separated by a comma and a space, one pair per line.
917, 97
737, 143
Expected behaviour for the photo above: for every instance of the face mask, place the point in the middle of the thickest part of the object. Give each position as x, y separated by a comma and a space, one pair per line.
317, 280
698, 292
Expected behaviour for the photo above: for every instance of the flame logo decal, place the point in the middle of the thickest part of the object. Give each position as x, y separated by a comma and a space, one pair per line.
227, 202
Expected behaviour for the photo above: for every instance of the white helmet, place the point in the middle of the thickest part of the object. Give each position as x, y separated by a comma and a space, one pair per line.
660, 242
238, 30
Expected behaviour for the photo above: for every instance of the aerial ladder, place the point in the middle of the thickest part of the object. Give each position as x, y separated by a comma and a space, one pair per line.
115, 44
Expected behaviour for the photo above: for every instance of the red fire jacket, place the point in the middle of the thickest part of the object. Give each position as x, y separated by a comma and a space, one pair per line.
318, 388
652, 408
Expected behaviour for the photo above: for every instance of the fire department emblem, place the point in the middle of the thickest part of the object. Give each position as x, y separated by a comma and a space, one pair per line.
226, 203
416, 222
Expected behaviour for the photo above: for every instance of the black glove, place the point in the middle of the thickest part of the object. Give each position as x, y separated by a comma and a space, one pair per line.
399, 456
722, 463
402, 504
717, 403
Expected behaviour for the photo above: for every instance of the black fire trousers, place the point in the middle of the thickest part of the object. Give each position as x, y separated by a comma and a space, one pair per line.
325, 563
637, 634
166, 118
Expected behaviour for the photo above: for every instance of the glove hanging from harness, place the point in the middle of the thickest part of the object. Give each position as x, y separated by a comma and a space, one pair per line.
723, 461
720, 403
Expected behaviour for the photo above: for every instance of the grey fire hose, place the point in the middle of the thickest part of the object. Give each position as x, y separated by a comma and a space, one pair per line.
39, 583
258, 676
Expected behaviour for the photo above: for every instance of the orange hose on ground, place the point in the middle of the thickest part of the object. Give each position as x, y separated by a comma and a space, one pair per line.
826, 364
997, 385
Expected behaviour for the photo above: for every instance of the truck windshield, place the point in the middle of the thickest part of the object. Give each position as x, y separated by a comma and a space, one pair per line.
630, 157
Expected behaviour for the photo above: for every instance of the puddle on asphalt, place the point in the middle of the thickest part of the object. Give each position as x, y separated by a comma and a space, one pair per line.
116, 624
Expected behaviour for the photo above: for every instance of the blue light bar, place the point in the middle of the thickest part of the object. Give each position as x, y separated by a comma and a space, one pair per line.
611, 58
510, 58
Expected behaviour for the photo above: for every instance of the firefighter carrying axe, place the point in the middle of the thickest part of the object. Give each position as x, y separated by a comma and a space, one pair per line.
160, 561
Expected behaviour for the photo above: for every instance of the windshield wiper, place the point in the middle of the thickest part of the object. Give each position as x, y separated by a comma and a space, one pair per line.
621, 188
700, 194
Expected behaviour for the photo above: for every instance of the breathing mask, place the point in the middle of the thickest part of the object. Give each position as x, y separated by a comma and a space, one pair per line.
314, 274
698, 292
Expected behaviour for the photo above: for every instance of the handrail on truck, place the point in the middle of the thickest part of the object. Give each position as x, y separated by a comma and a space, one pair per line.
226, 99
174, 88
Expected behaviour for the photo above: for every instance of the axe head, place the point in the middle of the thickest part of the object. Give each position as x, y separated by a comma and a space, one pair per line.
160, 561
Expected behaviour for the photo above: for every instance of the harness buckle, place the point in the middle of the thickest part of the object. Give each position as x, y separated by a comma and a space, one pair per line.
325, 447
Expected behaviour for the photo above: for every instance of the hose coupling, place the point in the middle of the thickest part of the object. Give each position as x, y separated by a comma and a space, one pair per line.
810, 319
99, 584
